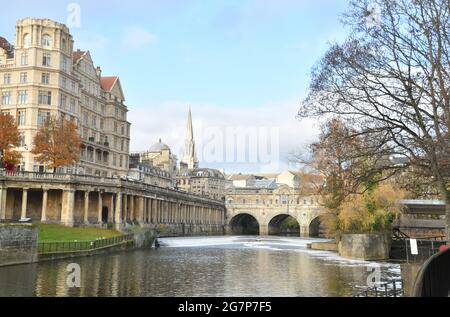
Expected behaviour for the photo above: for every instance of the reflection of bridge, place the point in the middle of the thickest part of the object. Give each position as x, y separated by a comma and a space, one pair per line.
262, 210
78, 199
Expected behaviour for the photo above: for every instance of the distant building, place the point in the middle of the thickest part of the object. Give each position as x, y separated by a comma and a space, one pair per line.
203, 181
149, 174
288, 178
158, 157
42, 75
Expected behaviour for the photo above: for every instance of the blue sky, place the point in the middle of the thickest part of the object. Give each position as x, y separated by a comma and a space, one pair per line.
235, 62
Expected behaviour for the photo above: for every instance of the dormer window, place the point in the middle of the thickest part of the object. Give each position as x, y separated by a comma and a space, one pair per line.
46, 40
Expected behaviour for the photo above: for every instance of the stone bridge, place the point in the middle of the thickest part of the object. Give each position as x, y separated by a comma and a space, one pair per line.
262, 210
90, 200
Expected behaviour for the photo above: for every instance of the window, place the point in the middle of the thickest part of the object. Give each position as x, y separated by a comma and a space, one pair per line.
85, 118
46, 59
6, 98
23, 97
94, 122
21, 118
45, 78
24, 59
122, 130
102, 124
72, 105
102, 107
117, 113
63, 63
23, 78
46, 40
63, 44
62, 101
115, 126
42, 116
22, 139
45, 97
27, 40
7, 79
122, 145
120, 161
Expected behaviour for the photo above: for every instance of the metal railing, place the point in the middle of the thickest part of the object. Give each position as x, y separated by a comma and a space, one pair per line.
401, 249
77, 246
393, 288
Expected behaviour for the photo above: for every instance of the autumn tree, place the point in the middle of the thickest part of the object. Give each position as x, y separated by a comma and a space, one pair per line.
9, 139
57, 143
389, 81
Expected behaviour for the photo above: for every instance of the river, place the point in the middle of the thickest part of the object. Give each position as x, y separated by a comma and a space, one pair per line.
203, 266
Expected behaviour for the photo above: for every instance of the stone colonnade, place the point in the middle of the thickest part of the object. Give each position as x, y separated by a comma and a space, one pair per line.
89, 206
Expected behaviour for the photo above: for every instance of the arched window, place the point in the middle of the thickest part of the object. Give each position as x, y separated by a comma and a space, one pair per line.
63, 44
46, 40
27, 40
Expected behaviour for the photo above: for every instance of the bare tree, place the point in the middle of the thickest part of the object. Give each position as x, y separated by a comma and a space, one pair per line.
390, 81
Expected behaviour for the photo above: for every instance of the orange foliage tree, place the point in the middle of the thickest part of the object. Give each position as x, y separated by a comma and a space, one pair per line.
57, 143
9, 139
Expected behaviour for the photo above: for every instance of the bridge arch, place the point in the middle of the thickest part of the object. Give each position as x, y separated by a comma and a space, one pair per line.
244, 224
284, 224
317, 227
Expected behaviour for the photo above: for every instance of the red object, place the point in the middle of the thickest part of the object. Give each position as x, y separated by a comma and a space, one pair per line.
444, 247
9, 167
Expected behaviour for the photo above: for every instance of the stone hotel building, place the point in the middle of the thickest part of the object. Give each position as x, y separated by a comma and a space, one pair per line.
41, 74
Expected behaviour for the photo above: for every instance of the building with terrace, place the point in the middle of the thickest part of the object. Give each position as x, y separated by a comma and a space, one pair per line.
41, 75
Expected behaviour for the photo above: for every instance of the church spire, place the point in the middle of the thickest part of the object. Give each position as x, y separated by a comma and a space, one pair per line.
190, 130
190, 155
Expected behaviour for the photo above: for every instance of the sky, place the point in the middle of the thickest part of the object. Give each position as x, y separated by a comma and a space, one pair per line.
242, 66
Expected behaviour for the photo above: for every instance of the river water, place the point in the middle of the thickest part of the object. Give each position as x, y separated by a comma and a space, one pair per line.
204, 266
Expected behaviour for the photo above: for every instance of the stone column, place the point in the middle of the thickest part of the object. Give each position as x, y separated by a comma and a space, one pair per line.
3, 192
23, 215
67, 207
141, 210
86, 208
263, 230
125, 207
132, 208
118, 212
100, 208
44, 205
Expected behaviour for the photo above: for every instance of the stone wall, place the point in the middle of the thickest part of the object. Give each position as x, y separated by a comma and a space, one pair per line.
18, 244
369, 247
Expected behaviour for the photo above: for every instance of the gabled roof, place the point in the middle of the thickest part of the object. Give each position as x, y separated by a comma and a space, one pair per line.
111, 84
108, 82
77, 55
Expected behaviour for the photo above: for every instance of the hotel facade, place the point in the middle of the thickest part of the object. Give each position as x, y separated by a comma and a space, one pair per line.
42, 75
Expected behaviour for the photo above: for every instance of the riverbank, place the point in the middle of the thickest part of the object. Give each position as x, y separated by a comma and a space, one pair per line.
30, 243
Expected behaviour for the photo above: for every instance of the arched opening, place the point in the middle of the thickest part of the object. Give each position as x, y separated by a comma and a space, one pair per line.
105, 213
317, 228
244, 224
284, 225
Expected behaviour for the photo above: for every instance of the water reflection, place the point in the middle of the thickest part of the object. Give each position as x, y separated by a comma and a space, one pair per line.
207, 267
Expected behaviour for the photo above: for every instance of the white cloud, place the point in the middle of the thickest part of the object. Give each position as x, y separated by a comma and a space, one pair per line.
168, 122
137, 37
